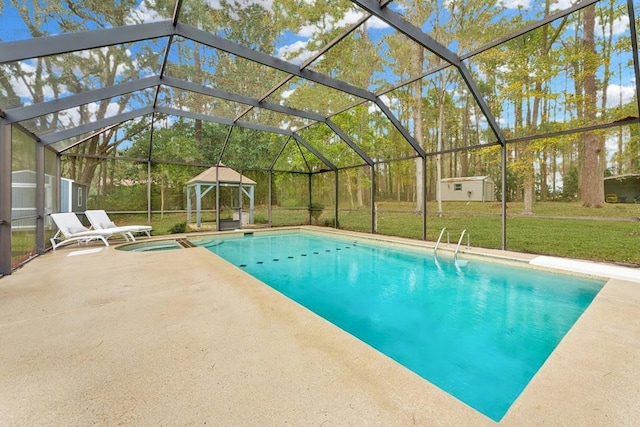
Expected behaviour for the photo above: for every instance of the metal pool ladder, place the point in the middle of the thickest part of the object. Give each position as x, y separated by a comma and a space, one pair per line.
455, 254
435, 249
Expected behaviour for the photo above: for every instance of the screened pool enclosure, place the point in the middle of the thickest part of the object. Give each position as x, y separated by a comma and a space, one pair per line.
345, 113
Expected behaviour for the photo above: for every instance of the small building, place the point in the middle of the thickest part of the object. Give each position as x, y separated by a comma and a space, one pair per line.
73, 196
622, 188
217, 178
468, 188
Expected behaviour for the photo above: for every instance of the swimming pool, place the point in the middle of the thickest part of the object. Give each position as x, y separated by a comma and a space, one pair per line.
479, 332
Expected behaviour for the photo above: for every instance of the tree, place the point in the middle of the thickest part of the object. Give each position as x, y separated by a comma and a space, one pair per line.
593, 164
77, 72
174, 143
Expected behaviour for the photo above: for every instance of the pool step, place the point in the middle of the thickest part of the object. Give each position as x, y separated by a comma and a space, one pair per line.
185, 243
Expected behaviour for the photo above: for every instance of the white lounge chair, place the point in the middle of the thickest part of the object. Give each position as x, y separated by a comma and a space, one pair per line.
70, 229
99, 220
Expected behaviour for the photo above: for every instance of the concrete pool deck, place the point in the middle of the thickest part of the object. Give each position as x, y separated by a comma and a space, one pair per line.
181, 337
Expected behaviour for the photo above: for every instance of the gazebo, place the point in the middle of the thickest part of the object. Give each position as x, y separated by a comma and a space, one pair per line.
217, 177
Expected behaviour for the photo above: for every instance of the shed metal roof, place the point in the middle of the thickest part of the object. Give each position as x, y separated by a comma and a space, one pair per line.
467, 178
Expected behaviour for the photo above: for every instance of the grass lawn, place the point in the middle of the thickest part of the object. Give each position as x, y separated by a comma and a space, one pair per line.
610, 233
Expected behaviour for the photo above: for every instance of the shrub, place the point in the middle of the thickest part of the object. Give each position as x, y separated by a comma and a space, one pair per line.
260, 218
316, 210
180, 227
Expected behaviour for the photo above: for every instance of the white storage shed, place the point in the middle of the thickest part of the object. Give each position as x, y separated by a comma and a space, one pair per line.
73, 196
468, 188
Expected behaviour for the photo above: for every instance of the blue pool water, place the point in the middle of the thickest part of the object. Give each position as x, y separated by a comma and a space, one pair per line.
479, 332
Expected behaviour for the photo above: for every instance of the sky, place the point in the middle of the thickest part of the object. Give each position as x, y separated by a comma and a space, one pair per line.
298, 45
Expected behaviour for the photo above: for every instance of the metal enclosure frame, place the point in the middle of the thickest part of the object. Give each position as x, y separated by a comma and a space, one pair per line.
169, 29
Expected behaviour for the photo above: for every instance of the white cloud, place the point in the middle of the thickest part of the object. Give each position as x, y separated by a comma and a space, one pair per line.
71, 117
21, 85
562, 4
296, 52
26, 80
308, 31
214, 4
243, 4
287, 93
329, 24
285, 124
349, 18
376, 23
104, 52
514, 4
617, 93
620, 25
144, 13
385, 99
392, 103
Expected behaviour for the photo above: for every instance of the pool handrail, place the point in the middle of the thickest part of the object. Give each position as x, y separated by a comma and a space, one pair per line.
435, 249
455, 253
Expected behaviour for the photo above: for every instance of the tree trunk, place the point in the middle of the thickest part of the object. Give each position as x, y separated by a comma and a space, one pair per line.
360, 189
418, 58
543, 177
198, 63
528, 194
439, 156
162, 198
349, 189
464, 155
554, 170
592, 172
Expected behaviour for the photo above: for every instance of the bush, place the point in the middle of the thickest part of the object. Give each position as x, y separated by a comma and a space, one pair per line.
178, 228
316, 210
259, 218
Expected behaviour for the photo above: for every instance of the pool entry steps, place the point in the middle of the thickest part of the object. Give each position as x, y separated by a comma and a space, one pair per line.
435, 249
185, 243
455, 253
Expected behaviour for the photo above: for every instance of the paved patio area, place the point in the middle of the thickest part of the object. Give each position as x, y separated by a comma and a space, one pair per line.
181, 337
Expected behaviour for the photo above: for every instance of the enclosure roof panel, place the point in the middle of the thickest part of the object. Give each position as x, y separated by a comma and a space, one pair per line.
463, 27
69, 69
292, 31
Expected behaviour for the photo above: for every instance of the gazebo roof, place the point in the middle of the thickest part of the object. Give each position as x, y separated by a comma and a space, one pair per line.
224, 174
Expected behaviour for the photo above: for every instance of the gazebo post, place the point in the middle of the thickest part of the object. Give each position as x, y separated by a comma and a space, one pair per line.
214, 178
217, 198
198, 205
251, 202
188, 203
240, 199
